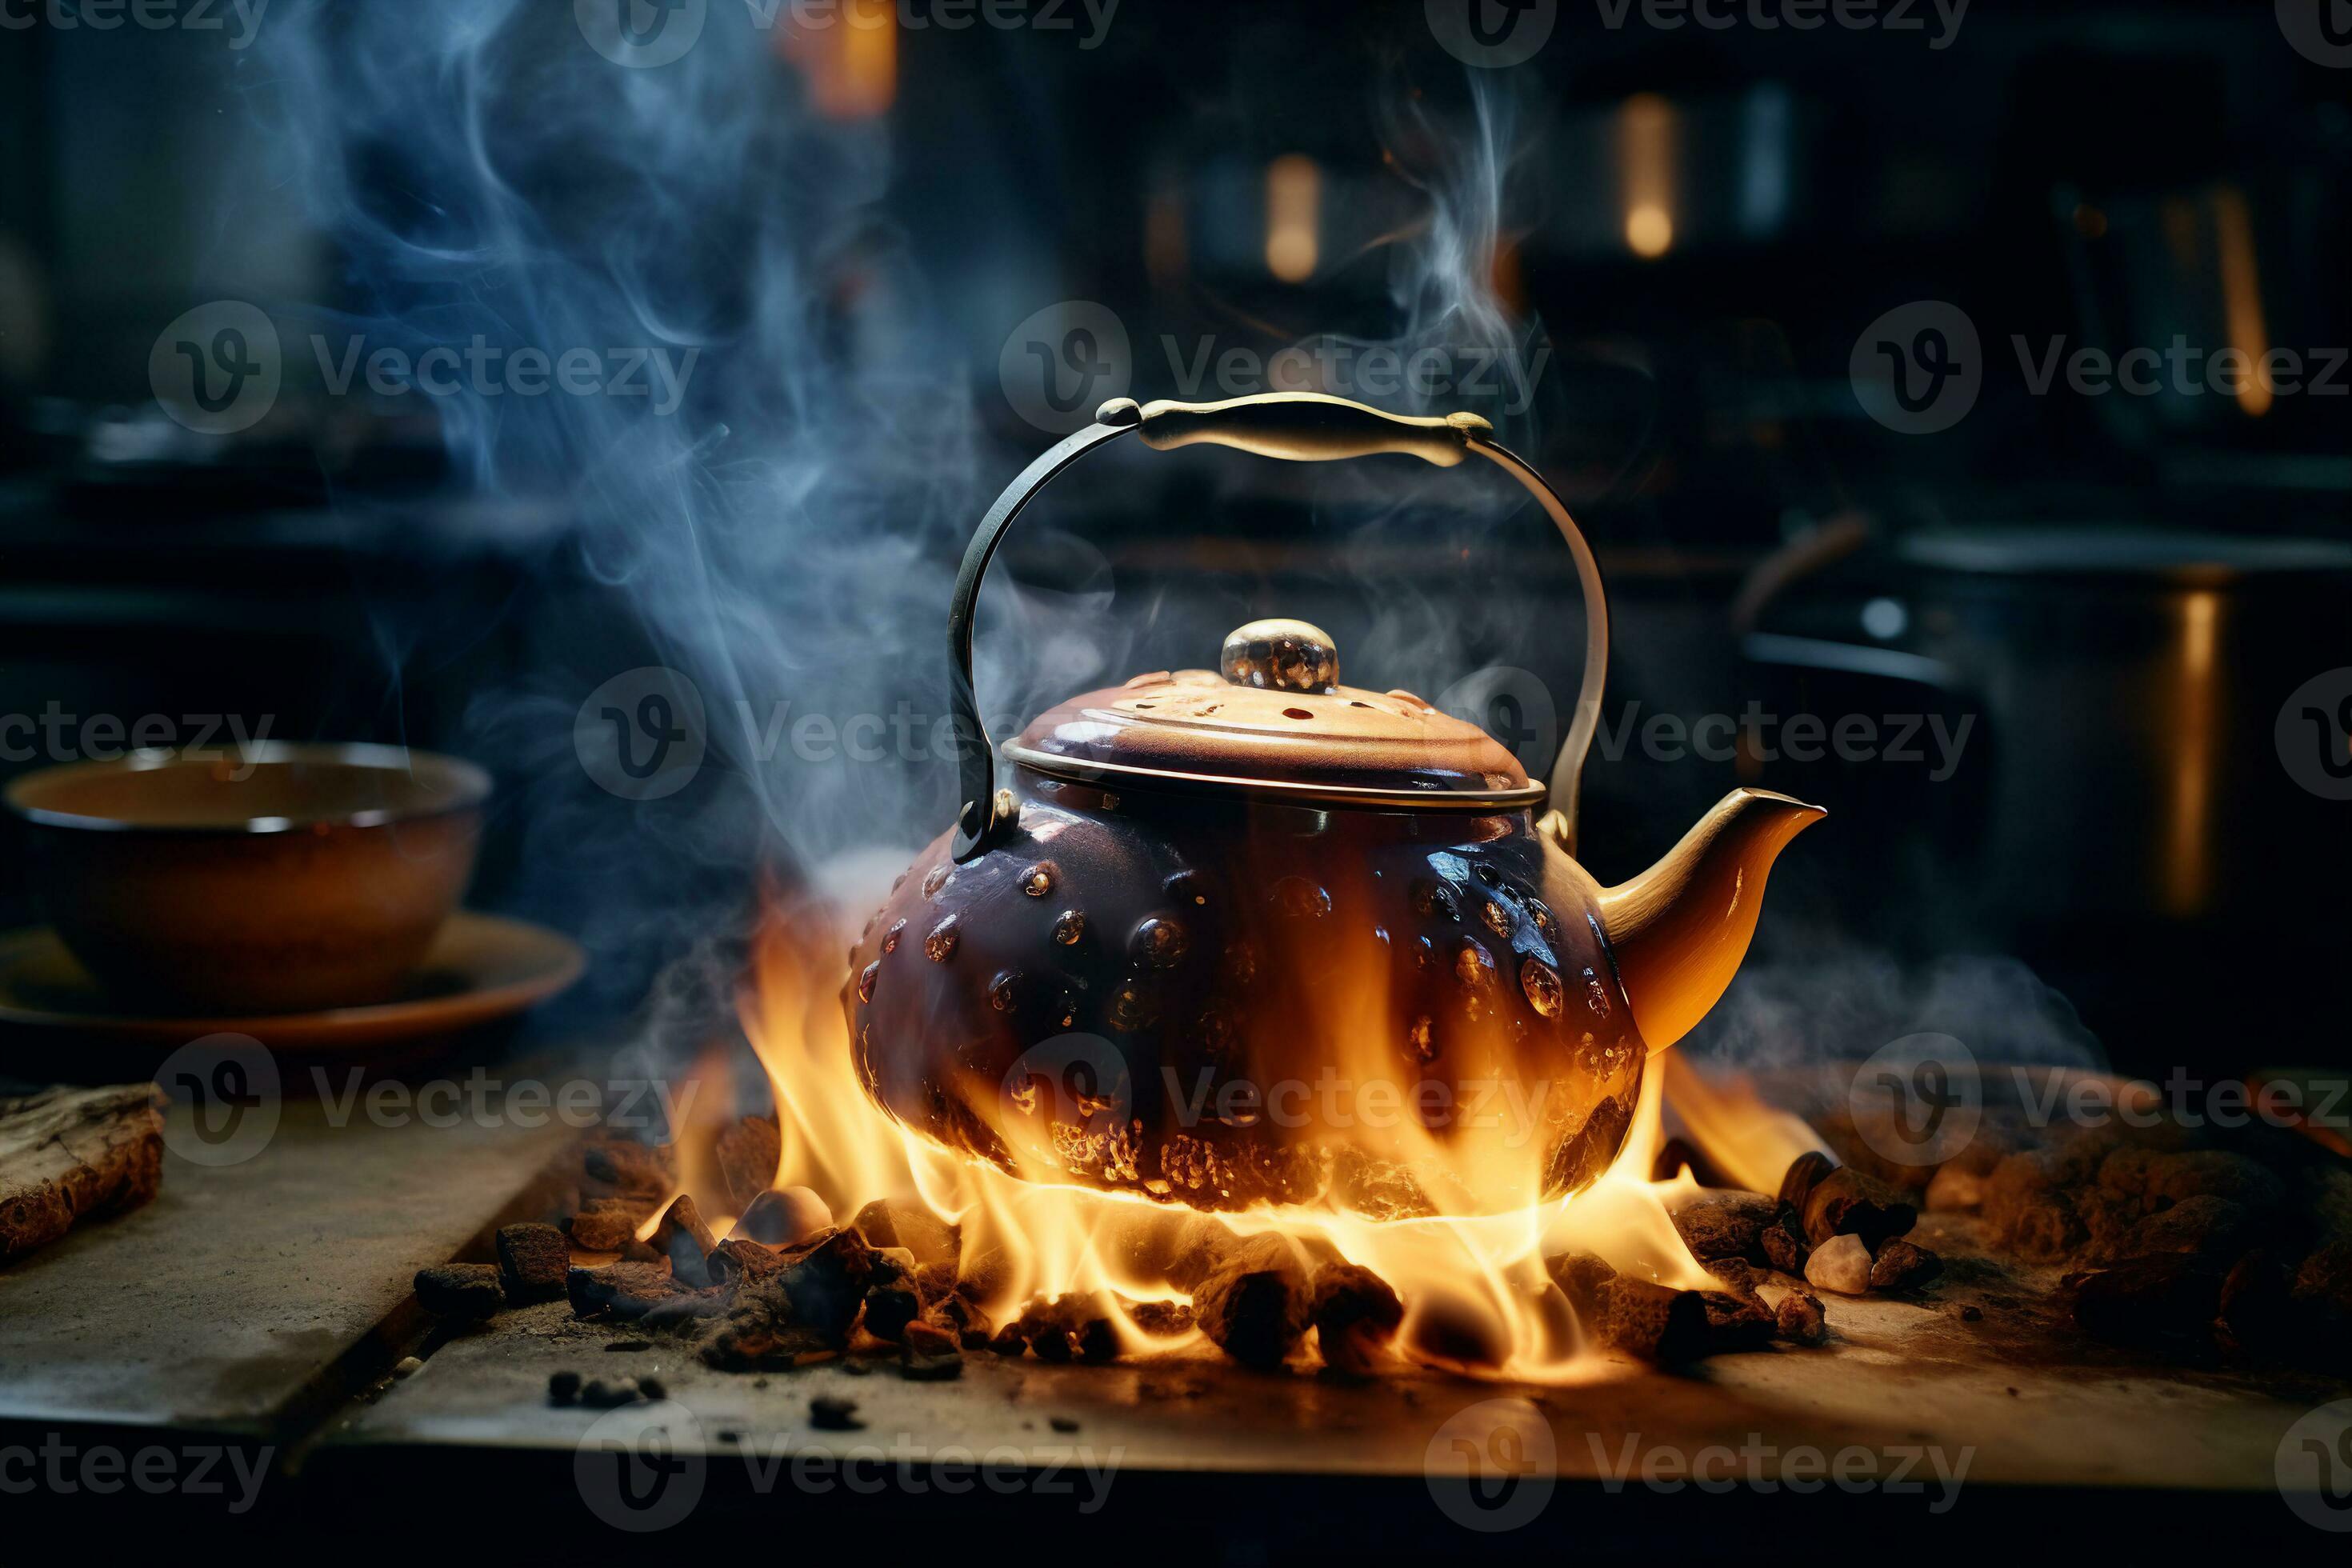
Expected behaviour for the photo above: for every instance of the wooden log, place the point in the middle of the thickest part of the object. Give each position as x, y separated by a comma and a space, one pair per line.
70, 1154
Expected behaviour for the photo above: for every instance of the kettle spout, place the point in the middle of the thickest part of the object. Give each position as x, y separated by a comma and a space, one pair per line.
1680, 929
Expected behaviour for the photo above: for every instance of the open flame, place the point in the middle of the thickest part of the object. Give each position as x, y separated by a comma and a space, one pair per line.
1476, 1295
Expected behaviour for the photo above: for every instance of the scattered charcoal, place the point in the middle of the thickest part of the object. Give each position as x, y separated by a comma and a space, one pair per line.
1841, 1264
747, 1155
1783, 1241
1972, 1314
1008, 1341
930, 1354
1847, 1202
686, 1241
626, 1290
600, 1394
2165, 1303
563, 1388
828, 1413
1803, 1172
1254, 1306
1076, 1325
532, 1262
652, 1388
931, 1239
1452, 1330
1800, 1319
1955, 1190
1062, 1423
630, 1167
460, 1290
1654, 1322
606, 1225
1054, 1346
628, 1347
784, 1216
891, 1303
740, 1258
1903, 1267
1725, 1224
1355, 1316
960, 1318
1162, 1320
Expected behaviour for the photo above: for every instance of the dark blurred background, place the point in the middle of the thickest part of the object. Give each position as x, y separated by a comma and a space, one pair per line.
2080, 625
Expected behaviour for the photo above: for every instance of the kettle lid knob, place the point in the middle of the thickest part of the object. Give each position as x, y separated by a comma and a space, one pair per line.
1281, 655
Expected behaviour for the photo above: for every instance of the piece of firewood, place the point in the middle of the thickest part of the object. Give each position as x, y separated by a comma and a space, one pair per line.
69, 1155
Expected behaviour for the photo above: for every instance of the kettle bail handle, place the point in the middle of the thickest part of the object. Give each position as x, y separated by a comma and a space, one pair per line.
1296, 426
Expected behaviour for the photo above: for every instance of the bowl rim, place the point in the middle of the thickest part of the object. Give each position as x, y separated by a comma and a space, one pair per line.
467, 783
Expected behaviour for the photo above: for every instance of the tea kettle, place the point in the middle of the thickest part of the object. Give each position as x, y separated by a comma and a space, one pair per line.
1193, 894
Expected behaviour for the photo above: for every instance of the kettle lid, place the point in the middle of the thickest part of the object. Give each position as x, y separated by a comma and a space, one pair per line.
1273, 721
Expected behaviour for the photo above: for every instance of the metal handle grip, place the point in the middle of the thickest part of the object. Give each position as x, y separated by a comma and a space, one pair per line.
1296, 426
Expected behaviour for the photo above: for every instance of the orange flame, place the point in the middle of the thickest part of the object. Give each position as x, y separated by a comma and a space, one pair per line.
1477, 1298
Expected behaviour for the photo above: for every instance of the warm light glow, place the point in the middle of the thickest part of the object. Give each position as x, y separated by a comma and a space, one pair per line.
2241, 297
2187, 865
1294, 196
1466, 1279
1167, 248
1649, 231
1646, 169
850, 54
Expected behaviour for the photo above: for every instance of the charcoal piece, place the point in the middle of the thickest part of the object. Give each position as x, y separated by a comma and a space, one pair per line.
1736, 1323
2158, 1180
885, 1223
747, 1155
2167, 1303
828, 1413
682, 1238
603, 1394
761, 1330
1053, 1344
71, 1155
891, 1303
1161, 1319
1900, 1266
626, 1290
689, 1308
1847, 1202
1356, 1315
1783, 1241
952, 1314
1654, 1322
1097, 1342
1008, 1341
1738, 1277
1254, 1306
1581, 1277
927, 1353
826, 1279
738, 1258
1797, 1181
1800, 1320
459, 1290
563, 1388
606, 1225
2200, 1223
533, 1261
1725, 1224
